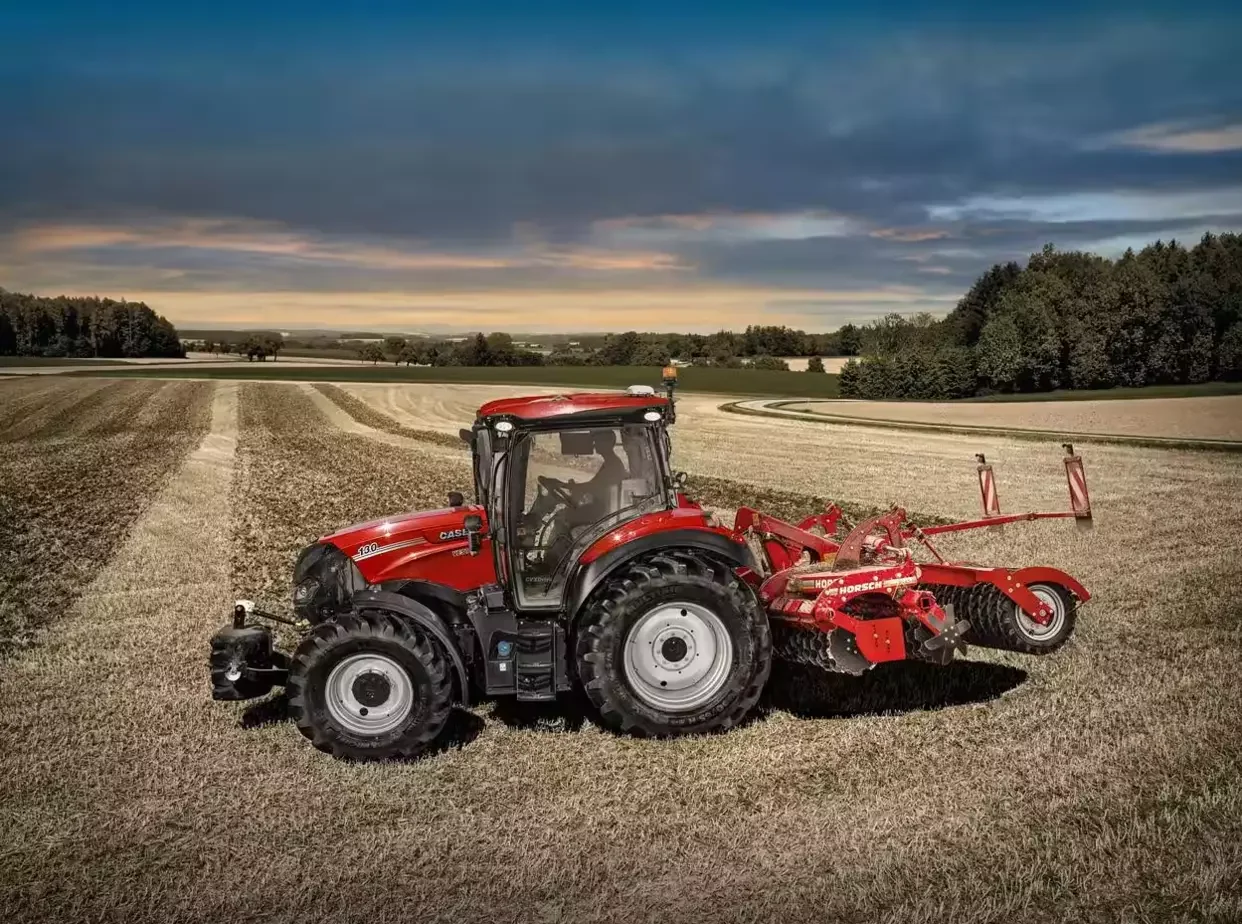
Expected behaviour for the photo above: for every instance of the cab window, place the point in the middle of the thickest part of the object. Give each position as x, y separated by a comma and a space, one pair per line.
572, 486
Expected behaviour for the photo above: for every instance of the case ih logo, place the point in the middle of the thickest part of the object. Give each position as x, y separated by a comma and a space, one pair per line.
453, 534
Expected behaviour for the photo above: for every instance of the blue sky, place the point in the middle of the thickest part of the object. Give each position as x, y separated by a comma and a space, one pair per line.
653, 165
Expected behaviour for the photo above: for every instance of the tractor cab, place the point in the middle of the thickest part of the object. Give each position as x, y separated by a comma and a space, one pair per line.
556, 474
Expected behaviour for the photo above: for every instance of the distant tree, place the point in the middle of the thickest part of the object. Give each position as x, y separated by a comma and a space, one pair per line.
1229, 354
394, 349
618, 349
1000, 354
650, 354
956, 372
411, 353
770, 363
977, 306
850, 379
475, 352
500, 351
256, 348
373, 353
815, 364
563, 355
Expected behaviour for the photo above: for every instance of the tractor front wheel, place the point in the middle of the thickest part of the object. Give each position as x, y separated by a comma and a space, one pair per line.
368, 685
675, 644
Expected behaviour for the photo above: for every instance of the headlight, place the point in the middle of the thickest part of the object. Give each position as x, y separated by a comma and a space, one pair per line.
305, 592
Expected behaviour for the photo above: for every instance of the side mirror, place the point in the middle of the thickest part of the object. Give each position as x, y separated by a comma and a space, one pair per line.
467, 437
474, 532
455, 499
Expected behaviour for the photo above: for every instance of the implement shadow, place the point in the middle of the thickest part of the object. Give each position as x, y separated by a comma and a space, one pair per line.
886, 689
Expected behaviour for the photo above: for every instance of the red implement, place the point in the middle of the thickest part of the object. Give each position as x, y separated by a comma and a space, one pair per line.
850, 603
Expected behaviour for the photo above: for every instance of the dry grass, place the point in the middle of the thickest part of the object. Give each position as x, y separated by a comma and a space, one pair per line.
1203, 418
1103, 785
78, 463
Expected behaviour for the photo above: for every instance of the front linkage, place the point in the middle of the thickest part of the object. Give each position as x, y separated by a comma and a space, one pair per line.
244, 665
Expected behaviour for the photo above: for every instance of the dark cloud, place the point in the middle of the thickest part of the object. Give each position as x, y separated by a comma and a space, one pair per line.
452, 152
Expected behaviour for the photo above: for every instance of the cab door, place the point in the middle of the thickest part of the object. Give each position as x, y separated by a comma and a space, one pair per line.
566, 488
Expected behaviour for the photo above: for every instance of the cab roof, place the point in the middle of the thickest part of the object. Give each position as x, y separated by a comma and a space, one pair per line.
574, 406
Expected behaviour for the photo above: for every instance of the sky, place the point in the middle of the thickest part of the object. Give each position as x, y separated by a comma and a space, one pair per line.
556, 166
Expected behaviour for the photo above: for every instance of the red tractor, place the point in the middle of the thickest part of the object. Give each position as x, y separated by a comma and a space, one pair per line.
583, 564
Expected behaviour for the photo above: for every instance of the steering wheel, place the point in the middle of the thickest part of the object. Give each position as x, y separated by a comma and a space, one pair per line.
557, 489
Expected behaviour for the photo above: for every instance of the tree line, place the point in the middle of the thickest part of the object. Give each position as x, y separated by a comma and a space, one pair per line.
757, 347
256, 346
1167, 314
497, 349
83, 327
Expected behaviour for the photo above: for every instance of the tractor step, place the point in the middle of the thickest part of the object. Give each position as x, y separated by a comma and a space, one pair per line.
535, 660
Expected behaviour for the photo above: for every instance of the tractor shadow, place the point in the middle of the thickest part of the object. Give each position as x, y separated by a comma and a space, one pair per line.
886, 689
461, 729
567, 714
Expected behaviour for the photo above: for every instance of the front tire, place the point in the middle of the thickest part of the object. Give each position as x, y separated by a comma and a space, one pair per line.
368, 685
675, 644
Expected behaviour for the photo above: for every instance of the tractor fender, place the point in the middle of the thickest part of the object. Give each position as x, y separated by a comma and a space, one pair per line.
429, 593
427, 619
589, 576
1040, 574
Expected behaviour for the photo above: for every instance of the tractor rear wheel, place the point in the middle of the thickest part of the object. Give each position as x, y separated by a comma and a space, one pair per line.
368, 685
674, 644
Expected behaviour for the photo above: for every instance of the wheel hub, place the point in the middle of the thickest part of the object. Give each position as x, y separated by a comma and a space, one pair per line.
1033, 630
369, 694
678, 656
371, 688
674, 649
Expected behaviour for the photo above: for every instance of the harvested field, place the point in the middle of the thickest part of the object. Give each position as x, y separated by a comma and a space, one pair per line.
79, 461
365, 414
1100, 784
1204, 418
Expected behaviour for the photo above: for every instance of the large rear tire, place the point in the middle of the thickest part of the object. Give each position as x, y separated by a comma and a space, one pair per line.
369, 685
674, 644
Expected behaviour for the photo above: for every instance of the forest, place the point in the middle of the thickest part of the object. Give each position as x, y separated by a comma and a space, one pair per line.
1165, 315
83, 327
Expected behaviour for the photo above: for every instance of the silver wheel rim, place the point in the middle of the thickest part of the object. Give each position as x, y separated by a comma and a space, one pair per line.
385, 688
1033, 630
678, 656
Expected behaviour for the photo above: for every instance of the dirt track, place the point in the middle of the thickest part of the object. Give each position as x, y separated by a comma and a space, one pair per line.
1208, 418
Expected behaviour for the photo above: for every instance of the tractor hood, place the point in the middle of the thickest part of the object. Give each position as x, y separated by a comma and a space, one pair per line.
430, 545
430, 526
